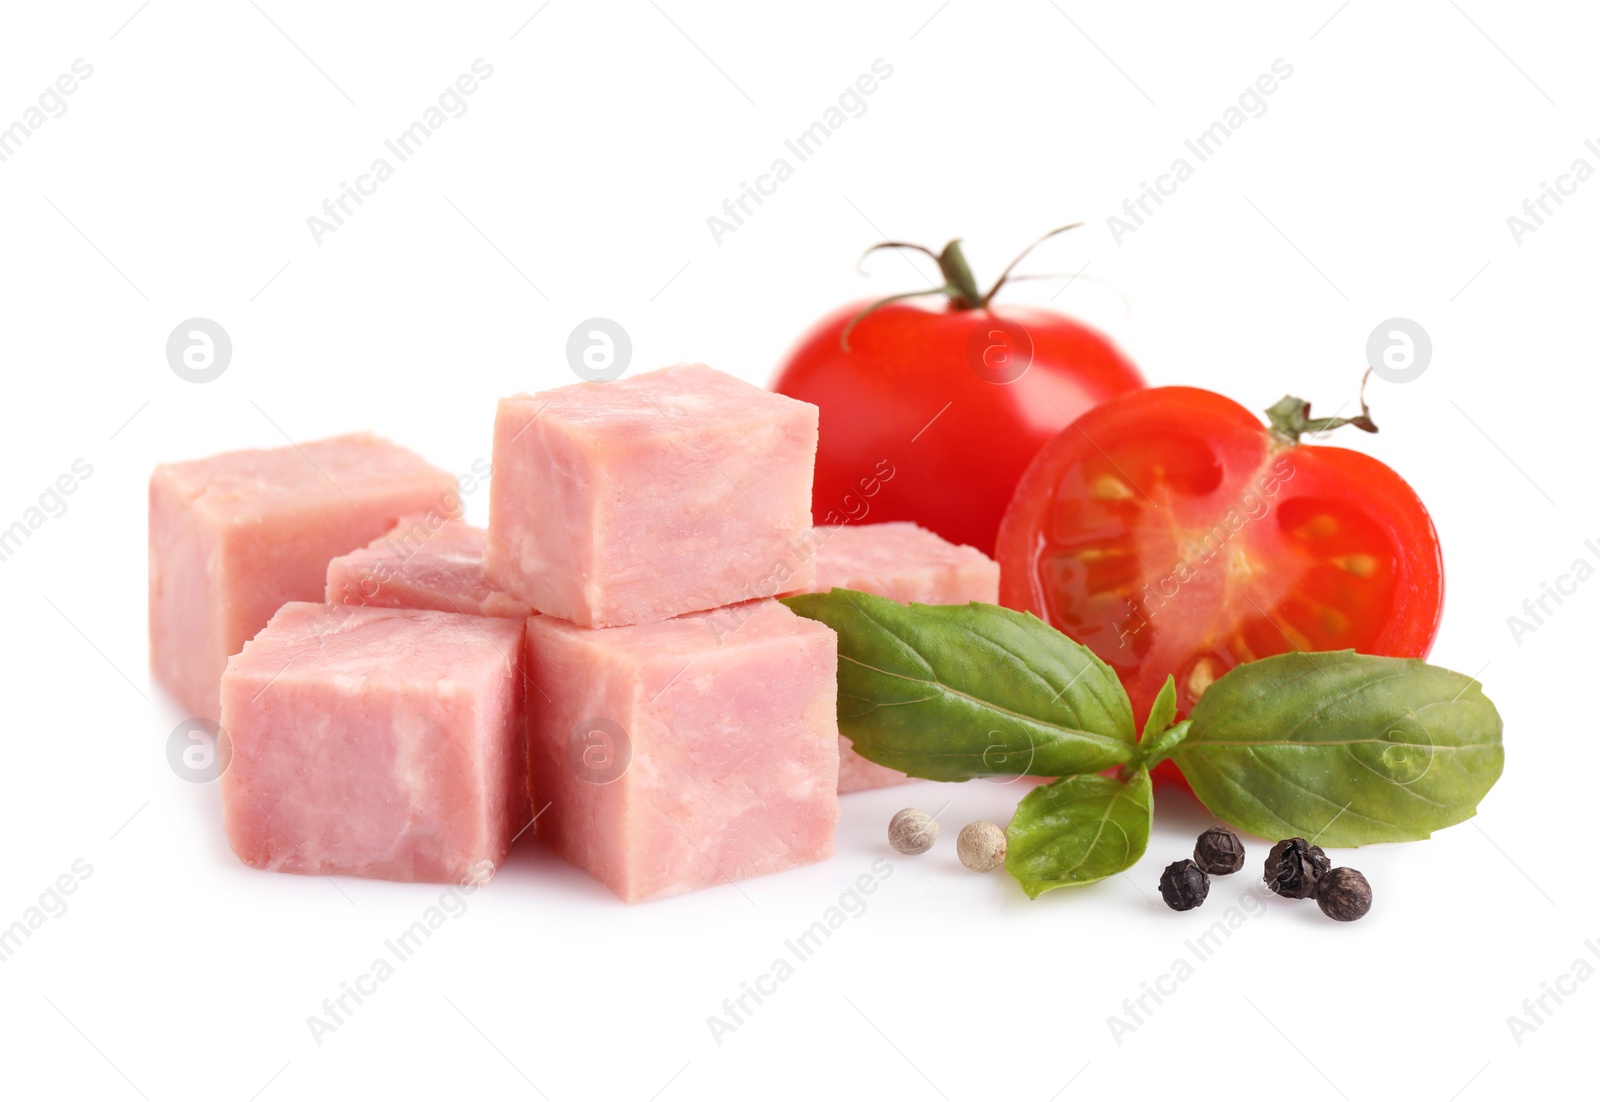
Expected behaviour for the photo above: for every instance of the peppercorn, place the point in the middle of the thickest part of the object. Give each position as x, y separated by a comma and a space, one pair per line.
1184, 885
912, 831
1219, 851
1344, 895
1293, 868
981, 846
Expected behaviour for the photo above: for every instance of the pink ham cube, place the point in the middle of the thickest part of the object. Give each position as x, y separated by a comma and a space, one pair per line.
676, 491
907, 564
427, 561
672, 756
235, 536
388, 743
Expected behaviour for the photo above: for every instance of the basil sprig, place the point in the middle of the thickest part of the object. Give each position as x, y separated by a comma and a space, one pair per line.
1340, 748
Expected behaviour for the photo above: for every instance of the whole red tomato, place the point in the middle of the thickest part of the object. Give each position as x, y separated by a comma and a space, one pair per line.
931, 414
1171, 532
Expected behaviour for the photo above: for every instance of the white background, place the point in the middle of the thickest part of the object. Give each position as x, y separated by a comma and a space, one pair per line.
578, 183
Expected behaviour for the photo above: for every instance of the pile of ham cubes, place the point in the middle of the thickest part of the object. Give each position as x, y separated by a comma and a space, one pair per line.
606, 669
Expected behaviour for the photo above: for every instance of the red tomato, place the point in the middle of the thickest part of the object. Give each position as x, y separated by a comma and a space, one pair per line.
931, 415
1171, 532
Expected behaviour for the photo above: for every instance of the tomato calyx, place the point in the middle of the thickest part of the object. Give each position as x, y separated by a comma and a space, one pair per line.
1290, 417
960, 287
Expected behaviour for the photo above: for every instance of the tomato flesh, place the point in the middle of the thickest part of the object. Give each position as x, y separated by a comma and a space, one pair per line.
1172, 533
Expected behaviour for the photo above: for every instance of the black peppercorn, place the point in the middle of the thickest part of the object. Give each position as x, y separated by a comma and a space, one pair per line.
1184, 885
1293, 868
1219, 851
1344, 895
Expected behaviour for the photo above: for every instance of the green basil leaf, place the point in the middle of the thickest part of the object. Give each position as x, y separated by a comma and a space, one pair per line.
1162, 712
951, 692
1154, 751
1160, 733
1078, 830
1341, 748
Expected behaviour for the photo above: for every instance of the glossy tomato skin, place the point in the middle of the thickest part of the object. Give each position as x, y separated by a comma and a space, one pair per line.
916, 423
1171, 532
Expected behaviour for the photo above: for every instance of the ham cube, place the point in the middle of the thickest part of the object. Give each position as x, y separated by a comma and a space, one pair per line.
427, 561
678, 755
235, 536
907, 564
387, 743
634, 501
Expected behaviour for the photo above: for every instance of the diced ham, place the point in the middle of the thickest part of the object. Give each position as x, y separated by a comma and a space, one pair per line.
386, 743
235, 536
427, 561
677, 755
634, 501
907, 564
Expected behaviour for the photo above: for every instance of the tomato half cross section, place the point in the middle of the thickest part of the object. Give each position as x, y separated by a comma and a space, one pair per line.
1171, 532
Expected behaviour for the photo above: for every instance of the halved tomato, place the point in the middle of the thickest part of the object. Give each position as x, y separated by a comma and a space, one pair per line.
1171, 532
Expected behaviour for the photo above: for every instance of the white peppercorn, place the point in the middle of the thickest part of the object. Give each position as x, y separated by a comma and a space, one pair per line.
912, 831
981, 846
